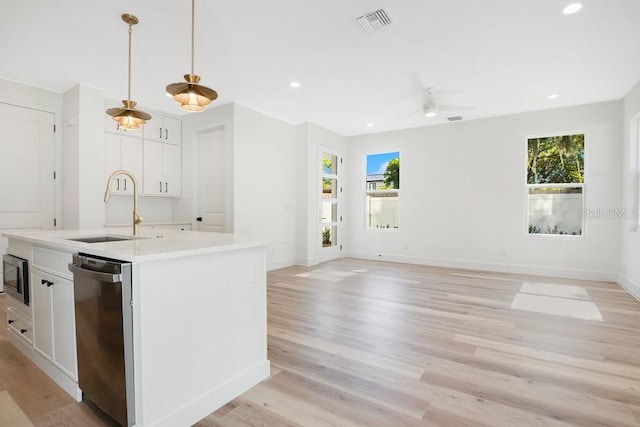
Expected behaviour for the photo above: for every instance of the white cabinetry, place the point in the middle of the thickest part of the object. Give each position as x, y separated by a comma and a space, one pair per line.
19, 323
163, 129
53, 310
162, 169
123, 152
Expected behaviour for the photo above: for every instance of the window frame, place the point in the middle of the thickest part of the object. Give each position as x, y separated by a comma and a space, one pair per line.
582, 185
635, 133
367, 191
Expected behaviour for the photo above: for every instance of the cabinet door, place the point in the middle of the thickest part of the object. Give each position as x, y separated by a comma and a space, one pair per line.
42, 311
154, 128
64, 326
172, 170
172, 130
153, 164
112, 159
131, 160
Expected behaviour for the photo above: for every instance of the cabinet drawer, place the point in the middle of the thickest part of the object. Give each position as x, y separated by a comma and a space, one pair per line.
19, 325
55, 262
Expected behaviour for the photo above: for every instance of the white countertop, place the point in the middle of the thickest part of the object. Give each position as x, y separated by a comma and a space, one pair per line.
149, 245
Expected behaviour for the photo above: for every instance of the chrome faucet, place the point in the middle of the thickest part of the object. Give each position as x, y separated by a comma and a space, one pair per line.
137, 219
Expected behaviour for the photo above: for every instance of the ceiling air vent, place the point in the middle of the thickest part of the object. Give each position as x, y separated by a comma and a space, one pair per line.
454, 118
374, 21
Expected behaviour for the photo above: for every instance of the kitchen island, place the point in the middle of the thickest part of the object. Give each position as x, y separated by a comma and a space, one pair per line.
199, 315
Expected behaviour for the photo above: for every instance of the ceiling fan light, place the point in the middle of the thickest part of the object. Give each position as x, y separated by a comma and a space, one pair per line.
430, 111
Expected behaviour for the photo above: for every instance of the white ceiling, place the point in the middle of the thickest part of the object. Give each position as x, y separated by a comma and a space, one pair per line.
494, 57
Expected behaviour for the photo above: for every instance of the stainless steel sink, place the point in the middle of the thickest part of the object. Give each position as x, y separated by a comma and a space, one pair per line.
103, 239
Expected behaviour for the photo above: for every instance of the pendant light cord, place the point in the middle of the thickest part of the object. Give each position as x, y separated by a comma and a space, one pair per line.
129, 85
193, 31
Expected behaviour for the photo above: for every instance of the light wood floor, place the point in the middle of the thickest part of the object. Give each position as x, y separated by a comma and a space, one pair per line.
367, 343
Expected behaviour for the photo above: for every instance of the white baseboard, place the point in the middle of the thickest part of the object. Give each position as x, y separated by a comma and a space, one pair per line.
66, 383
306, 262
195, 411
485, 266
274, 265
630, 286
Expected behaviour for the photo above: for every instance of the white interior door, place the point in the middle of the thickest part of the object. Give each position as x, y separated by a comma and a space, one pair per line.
330, 204
27, 198
213, 179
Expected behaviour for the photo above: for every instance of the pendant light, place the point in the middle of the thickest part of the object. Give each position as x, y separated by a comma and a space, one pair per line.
190, 94
127, 116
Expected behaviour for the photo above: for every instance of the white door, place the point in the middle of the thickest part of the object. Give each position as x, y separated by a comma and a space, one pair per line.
213, 177
26, 168
330, 206
27, 198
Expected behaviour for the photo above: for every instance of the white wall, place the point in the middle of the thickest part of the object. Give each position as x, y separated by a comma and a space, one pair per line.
630, 252
264, 183
83, 172
462, 195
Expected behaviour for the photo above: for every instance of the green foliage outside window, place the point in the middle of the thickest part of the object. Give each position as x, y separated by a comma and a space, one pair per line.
392, 174
557, 159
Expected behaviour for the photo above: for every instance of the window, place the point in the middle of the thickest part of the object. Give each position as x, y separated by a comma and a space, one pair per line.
555, 185
382, 190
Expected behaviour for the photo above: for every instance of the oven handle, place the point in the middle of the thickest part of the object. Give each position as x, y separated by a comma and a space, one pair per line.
101, 277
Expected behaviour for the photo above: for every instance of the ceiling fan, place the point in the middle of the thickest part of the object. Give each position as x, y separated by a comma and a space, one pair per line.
431, 107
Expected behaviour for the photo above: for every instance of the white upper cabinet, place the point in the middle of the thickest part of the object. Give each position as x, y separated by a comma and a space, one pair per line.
123, 152
162, 169
163, 129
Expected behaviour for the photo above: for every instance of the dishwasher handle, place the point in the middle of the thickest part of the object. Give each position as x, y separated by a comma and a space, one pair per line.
102, 277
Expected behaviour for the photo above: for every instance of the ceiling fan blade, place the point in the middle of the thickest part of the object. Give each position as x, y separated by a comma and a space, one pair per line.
411, 113
455, 107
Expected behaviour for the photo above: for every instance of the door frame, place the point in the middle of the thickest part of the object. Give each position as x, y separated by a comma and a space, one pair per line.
335, 251
228, 149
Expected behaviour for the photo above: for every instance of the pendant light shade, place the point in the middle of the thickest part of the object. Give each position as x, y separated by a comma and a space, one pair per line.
190, 94
127, 116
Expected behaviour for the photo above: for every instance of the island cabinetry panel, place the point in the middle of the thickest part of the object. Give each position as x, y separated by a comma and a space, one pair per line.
53, 310
123, 152
162, 169
19, 325
163, 129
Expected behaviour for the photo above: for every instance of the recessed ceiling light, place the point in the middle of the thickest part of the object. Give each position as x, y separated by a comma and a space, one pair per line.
572, 8
553, 96
369, 125
294, 84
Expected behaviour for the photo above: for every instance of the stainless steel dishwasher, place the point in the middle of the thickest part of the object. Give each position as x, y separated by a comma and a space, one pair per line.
104, 334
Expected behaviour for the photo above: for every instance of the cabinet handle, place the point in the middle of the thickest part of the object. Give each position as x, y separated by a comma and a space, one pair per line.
166, 134
161, 186
43, 281
10, 321
160, 133
117, 184
125, 184
49, 284
166, 187
22, 331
